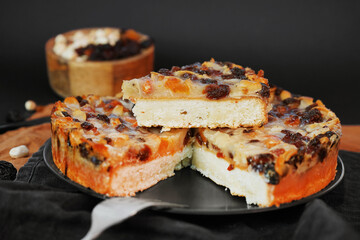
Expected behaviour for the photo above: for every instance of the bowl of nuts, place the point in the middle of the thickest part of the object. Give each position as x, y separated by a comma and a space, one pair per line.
97, 60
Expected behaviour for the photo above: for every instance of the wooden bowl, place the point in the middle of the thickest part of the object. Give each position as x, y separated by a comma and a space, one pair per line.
104, 78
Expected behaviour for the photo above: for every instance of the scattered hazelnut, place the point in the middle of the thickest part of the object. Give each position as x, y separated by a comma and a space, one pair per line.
30, 105
19, 151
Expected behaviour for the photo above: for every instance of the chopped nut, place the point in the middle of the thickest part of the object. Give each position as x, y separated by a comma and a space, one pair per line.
19, 151
78, 114
118, 110
30, 105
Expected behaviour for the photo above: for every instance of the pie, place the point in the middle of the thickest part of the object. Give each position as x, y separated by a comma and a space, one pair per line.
97, 142
200, 95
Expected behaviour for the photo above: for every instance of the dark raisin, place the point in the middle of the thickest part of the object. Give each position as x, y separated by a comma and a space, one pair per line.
279, 110
84, 152
215, 147
90, 115
87, 126
95, 160
144, 153
201, 71
121, 127
260, 161
66, 114
248, 130
212, 72
193, 77
265, 91
188, 136
7, 171
313, 145
140, 139
199, 139
81, 101
229, 76
79, 98
329, 134
103, 117
108, 140
292, 102
294, 138
271, 117
165, 72
308, 108
271, 175
254, 141
214, 91
208, 81
68, 140
238, 72
312, 116
296, 159
322, 154
186, 75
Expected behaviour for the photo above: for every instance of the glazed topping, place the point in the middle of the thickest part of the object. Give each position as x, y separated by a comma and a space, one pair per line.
299, 132
103, 126
102, 44
211, 80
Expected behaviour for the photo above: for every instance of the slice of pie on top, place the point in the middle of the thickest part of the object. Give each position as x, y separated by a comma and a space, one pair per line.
210, 94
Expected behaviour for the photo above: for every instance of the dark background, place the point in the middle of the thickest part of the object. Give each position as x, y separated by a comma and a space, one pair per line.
308, 47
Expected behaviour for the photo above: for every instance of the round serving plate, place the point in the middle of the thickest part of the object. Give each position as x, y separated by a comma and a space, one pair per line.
200, 194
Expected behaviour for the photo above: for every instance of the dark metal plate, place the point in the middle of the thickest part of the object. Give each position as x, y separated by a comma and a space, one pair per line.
203, 196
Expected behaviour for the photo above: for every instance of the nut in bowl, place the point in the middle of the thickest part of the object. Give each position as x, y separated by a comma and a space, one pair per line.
97, 60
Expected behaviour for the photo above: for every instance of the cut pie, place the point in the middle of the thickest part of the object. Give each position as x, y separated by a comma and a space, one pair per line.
293, 156
211, 94
96, 142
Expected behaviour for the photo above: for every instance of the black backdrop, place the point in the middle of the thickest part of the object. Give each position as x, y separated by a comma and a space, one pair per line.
308, 47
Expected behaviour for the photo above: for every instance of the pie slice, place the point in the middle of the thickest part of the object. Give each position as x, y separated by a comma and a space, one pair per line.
210, 94
293, 156
97, 143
